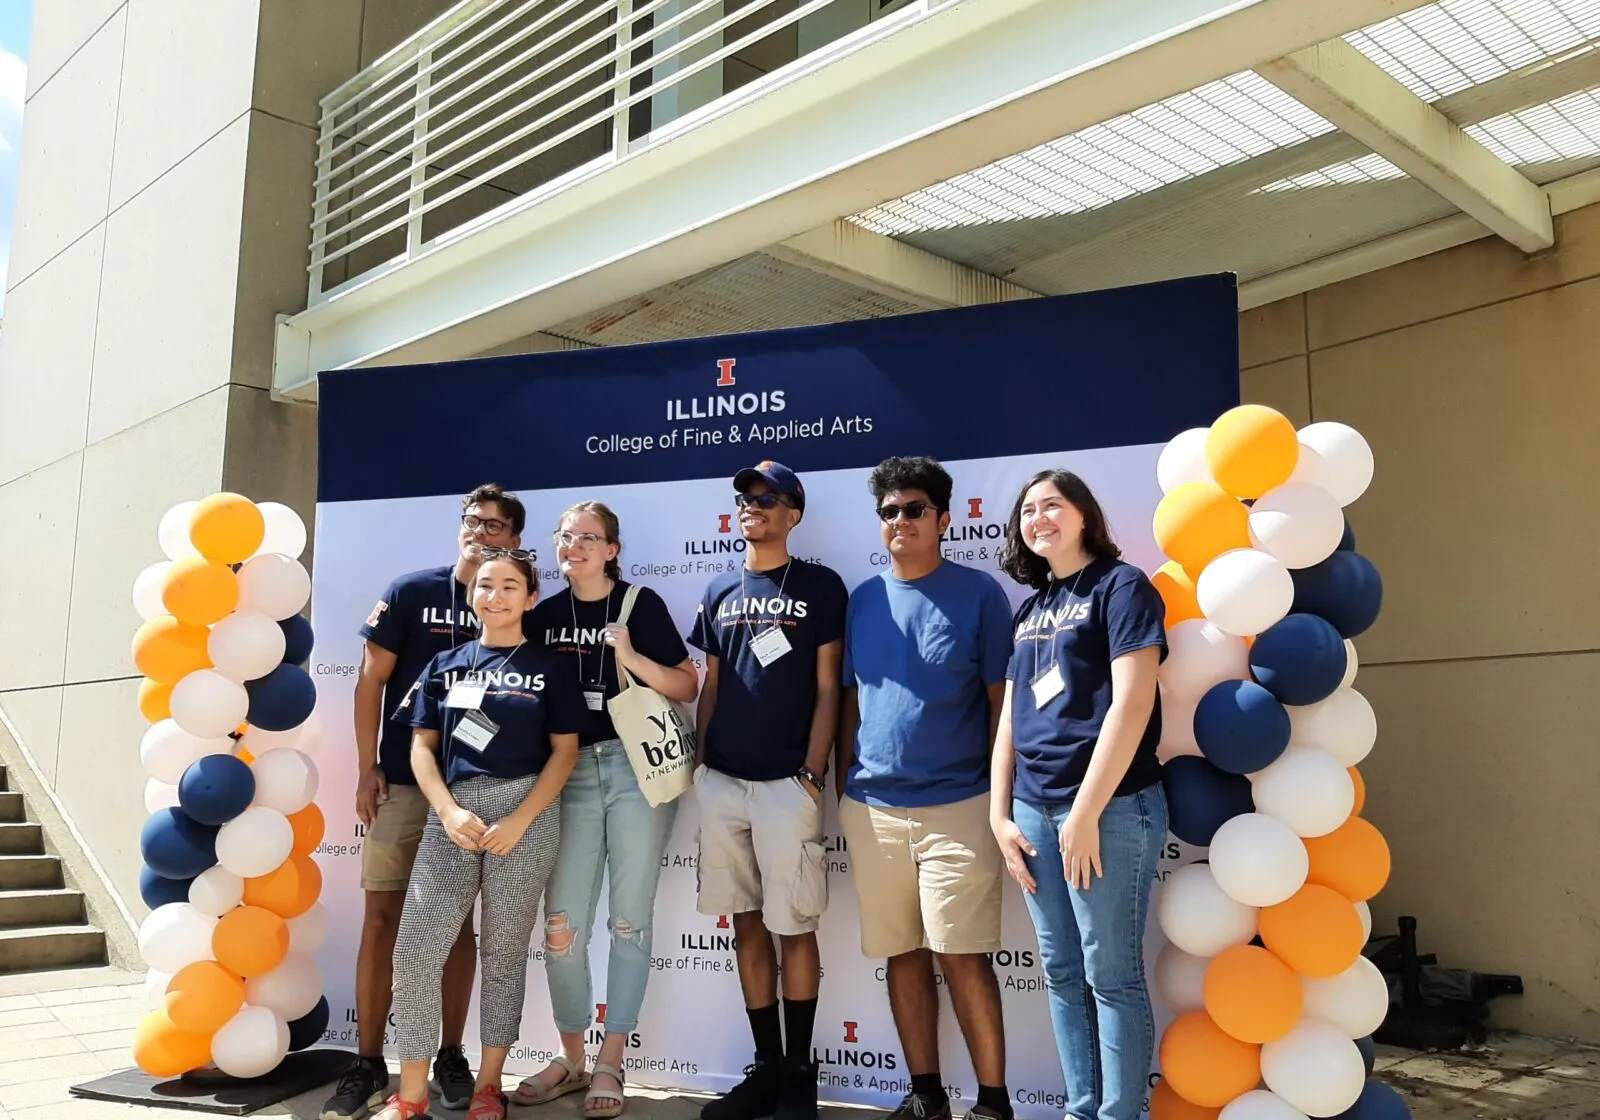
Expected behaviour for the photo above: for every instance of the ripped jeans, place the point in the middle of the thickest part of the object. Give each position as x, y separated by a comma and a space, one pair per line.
606, 826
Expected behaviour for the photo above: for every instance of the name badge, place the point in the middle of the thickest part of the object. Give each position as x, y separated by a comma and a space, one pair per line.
476, 730
594, 698
769, 645
1047, 686
466, 693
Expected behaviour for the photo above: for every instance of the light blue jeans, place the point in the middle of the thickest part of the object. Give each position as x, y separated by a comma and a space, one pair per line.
606, 826
1091, 943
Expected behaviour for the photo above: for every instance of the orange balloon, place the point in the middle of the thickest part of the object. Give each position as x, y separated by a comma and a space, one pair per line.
1251, 449
1206, 1065
200, 591
309, 826
166, 650
203, 996
1177, 592
1316, 932
250, 941
289, 890
227, 527
1252, 995
1353, 859
162, 1050
1198, 521
1361, 791
1165, 1104
155, 700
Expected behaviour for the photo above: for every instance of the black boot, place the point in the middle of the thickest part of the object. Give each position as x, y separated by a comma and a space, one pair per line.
753, 1098
797, 1094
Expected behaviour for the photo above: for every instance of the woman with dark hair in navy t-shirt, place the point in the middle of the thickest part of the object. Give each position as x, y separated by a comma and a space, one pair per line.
1075, 799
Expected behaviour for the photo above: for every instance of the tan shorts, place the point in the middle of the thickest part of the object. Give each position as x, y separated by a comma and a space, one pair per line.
929, 877
392, 838
761, 849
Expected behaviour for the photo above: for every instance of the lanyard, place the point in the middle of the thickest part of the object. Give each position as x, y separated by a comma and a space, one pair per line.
745, 592
503, 661
572, 601
1054, 653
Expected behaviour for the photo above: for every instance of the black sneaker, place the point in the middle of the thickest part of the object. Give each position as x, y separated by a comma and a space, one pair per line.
920, 1106
452, 1078
983, 1112
753, 1098
797, 1095
363, 1088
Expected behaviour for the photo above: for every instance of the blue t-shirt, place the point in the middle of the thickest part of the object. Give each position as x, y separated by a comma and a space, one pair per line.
760, 729
1080, 624
421, 614
527, 694
575, 631
922, 654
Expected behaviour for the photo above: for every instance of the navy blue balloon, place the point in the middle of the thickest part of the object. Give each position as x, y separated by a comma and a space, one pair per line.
307, 1030
1300, 660
282, 699
1377, 1102
1369, 1053
1345, 589
1201, 798
1241, 727
158, 890
297, 639
176, 846
1347, 543
216, 788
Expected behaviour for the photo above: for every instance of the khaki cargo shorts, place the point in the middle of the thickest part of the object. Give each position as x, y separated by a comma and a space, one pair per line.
392, 839
761, 849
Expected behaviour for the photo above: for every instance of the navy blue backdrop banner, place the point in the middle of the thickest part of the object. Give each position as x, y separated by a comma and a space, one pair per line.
1094, 383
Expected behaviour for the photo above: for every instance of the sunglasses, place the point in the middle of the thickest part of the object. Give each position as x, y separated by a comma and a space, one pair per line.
768, 500
913, 511
490, 552
491, 525
567, 540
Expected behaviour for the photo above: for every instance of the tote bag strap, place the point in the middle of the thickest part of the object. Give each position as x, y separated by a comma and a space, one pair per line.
629, 597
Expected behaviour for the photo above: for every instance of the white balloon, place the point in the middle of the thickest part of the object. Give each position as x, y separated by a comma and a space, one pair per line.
1260, 1104
1314, 1067
1346, 470
1351, 664
308, 931
1364, 912
1198, 917
258, 741
167, 750
1307, 790
1179, 980
292, 989
1310, 467
1343, 725
277, 586
286, 780
1355, 1001
216, 891
155, 988
1177, 728
159, 795
1200, 656
1183, 460
255, 842
147, 590
250, 1044
1244, 591
175, 935
1258, 861
173, 532
1298, 523
246, 645
286, 533
208, 705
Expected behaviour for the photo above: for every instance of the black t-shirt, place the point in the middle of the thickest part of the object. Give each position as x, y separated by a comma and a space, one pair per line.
420, 615
760, 728
574, 630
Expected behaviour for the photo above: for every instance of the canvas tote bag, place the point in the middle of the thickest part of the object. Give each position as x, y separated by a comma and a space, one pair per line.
658, 734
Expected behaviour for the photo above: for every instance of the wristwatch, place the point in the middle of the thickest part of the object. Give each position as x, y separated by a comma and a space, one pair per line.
809, 775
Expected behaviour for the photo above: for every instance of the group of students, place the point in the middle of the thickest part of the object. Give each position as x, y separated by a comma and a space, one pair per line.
970, 742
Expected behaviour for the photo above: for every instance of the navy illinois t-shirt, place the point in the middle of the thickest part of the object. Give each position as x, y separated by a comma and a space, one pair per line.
420, 615
1080, 625
760, 728
526, 694
574, 630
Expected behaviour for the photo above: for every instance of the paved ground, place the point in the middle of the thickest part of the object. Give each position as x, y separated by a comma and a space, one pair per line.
60, 1029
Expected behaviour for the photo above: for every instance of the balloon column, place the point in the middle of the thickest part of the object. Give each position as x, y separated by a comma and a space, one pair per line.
234, 919
1263, 731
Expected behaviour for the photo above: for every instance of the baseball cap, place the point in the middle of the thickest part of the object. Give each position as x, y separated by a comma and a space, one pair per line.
776, 475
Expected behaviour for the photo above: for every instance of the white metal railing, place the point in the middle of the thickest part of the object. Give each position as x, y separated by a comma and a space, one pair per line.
499, 98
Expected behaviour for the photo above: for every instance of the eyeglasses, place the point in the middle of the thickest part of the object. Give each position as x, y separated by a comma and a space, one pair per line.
913, 511
491, 525
768, 500
490, 552
567, 540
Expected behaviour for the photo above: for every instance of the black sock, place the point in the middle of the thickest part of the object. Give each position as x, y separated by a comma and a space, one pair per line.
799, 1018
768, 1032
930, 1085
996, 1098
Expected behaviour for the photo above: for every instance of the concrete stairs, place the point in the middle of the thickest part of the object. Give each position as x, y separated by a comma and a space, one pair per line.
42, 921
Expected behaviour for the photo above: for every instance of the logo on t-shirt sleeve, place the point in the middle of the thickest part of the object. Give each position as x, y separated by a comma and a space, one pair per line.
405, 701
377, 612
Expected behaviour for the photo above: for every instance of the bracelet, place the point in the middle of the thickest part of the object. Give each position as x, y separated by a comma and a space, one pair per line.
818, 780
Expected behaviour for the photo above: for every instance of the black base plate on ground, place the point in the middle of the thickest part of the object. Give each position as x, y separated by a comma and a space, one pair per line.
213, 1091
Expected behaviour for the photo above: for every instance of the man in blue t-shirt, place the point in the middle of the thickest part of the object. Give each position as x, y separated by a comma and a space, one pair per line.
421, 614
769, 709
926, 649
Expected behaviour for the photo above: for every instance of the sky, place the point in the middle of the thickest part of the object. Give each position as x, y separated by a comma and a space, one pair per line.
16, 18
